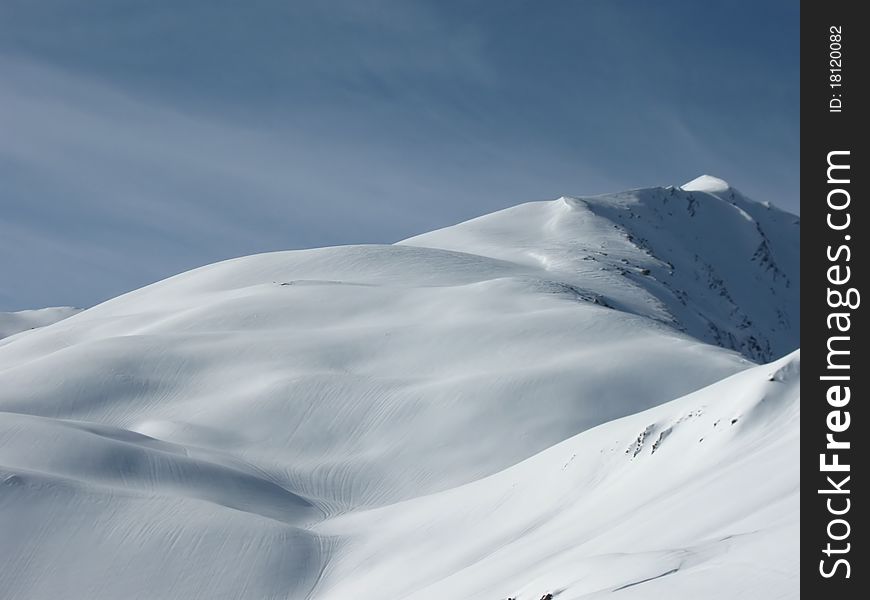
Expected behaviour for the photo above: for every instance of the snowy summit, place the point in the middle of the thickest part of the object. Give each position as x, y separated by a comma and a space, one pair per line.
593, 397
706, 183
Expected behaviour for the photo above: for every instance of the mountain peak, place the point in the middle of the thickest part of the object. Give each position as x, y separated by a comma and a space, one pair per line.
714, 265
706, 183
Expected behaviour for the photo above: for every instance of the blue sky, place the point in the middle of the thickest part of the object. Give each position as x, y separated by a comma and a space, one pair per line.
142, 138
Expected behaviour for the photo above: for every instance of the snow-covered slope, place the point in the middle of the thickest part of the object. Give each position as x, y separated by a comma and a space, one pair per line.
379, 363
275, 426
697, 498
25, 320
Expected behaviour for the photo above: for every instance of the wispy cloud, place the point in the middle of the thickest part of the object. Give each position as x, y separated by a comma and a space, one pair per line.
124, 191
138, 140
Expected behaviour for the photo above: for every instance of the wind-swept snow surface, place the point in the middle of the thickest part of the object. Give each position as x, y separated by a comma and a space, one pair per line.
483, 411
697, 498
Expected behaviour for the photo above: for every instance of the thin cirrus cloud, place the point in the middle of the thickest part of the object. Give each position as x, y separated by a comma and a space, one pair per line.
138, 140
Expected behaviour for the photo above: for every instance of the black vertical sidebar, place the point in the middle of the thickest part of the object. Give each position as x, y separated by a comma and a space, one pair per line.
834, 222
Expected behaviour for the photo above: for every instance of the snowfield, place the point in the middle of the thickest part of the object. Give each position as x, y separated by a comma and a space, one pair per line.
562, 397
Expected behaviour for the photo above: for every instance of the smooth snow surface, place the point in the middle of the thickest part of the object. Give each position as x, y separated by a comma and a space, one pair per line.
25, 320
528, 402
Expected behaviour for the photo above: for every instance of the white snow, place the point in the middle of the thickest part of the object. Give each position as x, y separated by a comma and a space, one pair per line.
25, 320
528, 402
706, 183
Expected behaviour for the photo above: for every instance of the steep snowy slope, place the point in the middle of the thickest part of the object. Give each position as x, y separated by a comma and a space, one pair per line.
25, 320
243, 430
701, 257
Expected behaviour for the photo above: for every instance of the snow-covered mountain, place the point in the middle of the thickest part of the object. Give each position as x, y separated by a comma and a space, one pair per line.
25, 320
542, 400
701, 257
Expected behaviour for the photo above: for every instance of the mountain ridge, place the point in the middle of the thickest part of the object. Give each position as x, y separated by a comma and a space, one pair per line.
736, 253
